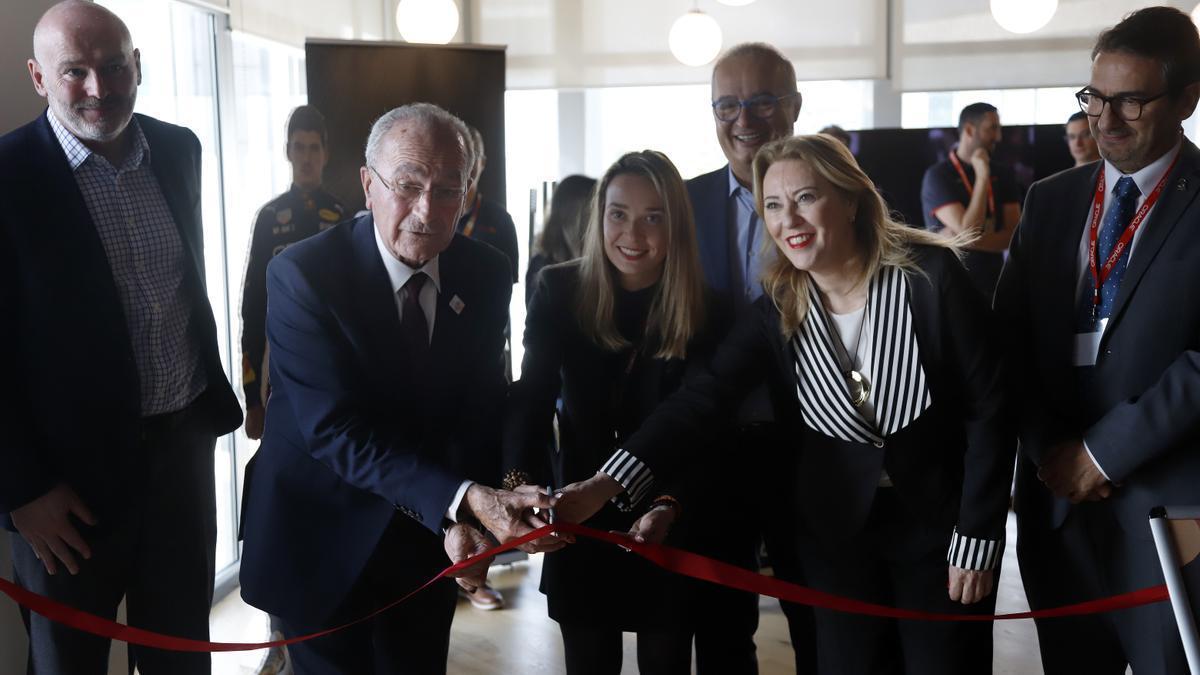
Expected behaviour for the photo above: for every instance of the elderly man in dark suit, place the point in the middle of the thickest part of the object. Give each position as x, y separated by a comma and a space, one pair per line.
1105, 342
386, 336
114, 392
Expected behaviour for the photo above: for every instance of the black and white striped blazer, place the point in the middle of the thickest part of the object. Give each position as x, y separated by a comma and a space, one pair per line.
950, 462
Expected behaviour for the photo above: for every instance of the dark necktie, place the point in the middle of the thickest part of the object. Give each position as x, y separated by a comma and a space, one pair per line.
414, 329
1120, 213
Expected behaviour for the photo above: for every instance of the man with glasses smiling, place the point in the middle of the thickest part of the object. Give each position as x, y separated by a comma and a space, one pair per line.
386, 336
1105, 359
754, 101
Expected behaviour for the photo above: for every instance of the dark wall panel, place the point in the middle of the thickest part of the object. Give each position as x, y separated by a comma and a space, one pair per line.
353, 83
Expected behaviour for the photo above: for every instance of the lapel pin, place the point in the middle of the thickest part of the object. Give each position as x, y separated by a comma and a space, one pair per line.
457, 304
1181, 185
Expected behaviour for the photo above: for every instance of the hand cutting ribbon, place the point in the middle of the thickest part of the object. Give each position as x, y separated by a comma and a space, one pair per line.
671, 559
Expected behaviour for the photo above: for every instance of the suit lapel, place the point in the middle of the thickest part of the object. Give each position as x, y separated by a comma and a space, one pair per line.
711, 206
373, 295
1062, 268
174, 185
1178, 193
69, 221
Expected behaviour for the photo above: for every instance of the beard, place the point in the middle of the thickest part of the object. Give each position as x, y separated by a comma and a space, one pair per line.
117, 111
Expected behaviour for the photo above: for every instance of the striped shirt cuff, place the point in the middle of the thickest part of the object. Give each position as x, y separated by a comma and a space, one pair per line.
632, 474
969, 553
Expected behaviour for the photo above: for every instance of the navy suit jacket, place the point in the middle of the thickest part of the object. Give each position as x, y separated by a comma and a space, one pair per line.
1137, 408
358, 434
710, 206
71, 401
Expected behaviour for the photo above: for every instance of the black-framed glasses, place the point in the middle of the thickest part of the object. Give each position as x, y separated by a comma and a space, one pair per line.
1128, 108
409, 192
728, 108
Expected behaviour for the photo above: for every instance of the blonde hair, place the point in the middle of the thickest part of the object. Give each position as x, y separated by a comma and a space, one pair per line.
677, 310
883, 241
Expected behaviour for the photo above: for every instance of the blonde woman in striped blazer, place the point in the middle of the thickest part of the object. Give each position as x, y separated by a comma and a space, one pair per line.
883, 368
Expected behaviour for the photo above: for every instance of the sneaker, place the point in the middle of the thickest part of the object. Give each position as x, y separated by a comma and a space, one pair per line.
485, 597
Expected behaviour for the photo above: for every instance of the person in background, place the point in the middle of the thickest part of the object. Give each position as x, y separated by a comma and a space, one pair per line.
304, 210
561, 238
612, 334
754, 101
484, 219
114, 390
1080, 142
885, 372
968, 193
838, 133
1105, 355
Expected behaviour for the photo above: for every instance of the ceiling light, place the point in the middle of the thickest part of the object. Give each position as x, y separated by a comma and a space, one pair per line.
427, 21
695, 38
1023, 16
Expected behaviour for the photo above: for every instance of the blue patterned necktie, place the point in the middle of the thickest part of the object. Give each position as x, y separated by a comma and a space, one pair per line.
1120, 213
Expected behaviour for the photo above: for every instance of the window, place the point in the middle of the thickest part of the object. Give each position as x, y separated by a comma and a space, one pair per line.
178, 45
1050, 105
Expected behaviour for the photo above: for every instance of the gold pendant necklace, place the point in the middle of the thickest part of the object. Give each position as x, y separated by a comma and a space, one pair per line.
860, 388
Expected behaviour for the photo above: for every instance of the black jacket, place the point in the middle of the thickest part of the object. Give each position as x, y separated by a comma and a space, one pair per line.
952, 466
70, 406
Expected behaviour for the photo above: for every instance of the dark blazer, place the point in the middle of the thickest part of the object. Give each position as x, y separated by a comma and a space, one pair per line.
604, 399
71, 404
710, 206
357, 433
1138, 411
951, 466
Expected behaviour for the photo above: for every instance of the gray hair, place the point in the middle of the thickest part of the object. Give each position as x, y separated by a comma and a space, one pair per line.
428, 115
764, 51
477, 141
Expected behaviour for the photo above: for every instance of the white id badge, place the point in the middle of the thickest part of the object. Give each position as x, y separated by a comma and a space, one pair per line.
1087, 345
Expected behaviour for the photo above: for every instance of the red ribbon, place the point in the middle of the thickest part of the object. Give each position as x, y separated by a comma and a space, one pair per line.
671, 559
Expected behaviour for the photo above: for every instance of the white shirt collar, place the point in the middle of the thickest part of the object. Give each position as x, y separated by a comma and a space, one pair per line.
1146, 177
398, 272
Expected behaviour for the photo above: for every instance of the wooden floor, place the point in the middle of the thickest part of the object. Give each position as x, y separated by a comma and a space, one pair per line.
521, 639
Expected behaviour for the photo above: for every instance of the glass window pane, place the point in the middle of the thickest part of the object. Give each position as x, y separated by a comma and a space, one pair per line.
176, 42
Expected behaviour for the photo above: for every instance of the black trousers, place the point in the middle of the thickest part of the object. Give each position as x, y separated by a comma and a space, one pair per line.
594, 650
157, 551
899, 561
1091, 556
412, 638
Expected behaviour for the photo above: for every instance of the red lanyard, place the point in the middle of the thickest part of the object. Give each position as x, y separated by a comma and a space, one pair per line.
1099, 275
971, 188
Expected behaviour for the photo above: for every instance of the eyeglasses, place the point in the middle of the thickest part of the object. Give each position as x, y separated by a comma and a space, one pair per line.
728, 108
410, 193
1128, 108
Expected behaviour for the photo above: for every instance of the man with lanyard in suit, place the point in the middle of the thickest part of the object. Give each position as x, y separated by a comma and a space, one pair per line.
969, 193
1105, 353
304, 210
754, 101
386, 336
115, 393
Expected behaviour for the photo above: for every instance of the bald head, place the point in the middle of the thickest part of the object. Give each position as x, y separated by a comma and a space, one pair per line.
86, 68
73, 18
